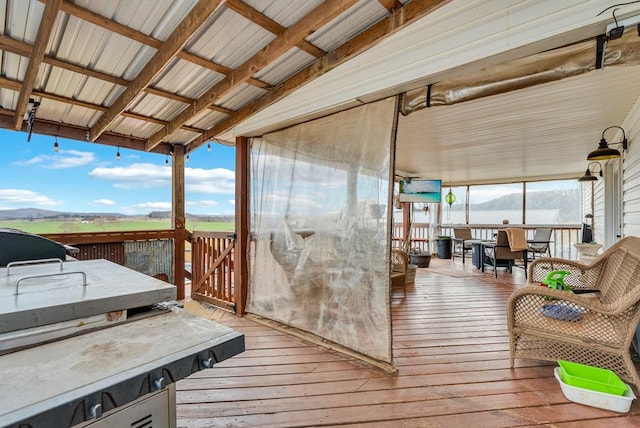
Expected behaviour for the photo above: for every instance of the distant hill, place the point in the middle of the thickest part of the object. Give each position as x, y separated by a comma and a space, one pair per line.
22, 213
550, 199
567, 203
37, 213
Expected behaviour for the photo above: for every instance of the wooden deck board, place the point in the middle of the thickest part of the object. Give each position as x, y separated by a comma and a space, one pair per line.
450, 348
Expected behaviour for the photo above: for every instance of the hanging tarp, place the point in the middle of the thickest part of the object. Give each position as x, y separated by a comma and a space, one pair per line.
321, 228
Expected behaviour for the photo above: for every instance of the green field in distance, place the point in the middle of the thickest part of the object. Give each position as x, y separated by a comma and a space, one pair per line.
45, 226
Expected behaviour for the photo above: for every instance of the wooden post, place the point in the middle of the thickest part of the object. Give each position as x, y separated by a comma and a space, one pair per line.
243, 238
178, 218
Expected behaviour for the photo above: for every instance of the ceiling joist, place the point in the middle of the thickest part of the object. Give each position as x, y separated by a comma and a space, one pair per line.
182, 114
196, 17
270, 25
322, 14
37, 54
16, 86
79, 133
394, 22
24, 49
145, 39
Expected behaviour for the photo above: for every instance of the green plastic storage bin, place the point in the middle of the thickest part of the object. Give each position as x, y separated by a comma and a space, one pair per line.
591, 378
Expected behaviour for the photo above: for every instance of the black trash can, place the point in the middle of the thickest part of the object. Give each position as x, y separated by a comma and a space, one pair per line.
444, 247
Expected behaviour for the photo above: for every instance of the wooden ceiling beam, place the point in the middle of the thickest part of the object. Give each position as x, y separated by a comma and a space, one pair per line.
45, 29
24, 49
205, 63
197, 16
14, 85
143, 118
391, 5
187, 100
322, 14
79, 133
400, 18
115, 27
253, 15
220, 109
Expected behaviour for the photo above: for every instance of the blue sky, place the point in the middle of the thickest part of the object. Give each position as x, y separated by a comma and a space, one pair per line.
86, 177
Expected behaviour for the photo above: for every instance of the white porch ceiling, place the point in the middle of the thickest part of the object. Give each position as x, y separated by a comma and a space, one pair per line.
539, 132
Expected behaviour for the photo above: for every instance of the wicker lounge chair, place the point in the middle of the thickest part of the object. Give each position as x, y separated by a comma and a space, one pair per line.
592, 325
399, 267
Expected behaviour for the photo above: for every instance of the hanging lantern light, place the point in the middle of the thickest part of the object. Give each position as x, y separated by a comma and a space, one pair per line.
449, 198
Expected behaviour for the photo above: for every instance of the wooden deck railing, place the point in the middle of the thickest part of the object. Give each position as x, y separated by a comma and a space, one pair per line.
151, 252
562, 237
212, 281
148, 251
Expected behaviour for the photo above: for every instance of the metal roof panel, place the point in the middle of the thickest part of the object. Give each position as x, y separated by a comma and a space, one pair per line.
353, 21
230, 40
241, 96
284, 67
282, 12
187, 79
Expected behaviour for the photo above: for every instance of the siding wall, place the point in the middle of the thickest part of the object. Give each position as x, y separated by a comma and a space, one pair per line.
631, 183
631, 174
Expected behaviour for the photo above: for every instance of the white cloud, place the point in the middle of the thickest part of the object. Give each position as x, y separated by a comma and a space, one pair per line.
25, 198
154, 206
103, 202
135, 176
62, 159
232, 201
208, 203
198, 180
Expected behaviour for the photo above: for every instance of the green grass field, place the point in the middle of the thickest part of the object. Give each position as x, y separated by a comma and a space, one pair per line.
44, 226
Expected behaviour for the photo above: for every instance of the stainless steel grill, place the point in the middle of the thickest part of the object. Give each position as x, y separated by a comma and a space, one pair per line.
92, 343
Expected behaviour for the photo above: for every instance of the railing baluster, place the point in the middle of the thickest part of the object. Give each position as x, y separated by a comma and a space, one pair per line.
563, 237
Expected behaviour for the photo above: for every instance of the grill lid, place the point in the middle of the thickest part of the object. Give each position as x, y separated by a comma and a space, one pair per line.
47, 294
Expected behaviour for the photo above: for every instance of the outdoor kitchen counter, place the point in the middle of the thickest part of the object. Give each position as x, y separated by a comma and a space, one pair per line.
69, 381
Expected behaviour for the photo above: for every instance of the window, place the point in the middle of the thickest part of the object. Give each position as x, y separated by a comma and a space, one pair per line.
495, 203
454, 214
553, 202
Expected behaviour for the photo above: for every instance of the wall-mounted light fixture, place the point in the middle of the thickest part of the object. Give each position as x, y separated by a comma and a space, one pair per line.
588, 176
604, 152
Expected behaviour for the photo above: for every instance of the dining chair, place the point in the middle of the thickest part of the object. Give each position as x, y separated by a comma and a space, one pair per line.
461, 242
541, 244
499, 254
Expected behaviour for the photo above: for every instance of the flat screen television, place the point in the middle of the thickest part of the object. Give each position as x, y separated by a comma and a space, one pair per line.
421, 191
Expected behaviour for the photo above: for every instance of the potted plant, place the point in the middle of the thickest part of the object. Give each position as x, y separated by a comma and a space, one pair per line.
419, 258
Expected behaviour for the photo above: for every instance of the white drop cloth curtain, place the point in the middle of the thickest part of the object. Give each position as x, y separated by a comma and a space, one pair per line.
321, 227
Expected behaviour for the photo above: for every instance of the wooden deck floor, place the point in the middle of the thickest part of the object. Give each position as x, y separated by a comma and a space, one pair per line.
451, 350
